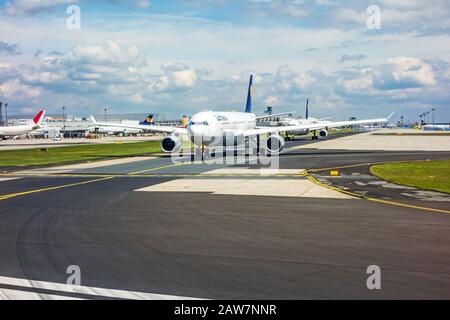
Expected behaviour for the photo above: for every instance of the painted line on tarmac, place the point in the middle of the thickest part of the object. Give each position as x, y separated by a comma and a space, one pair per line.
108, 177
127, 175
394, 203
369, 164
316, 182
24, 193
10, 294
59, 289
155, 169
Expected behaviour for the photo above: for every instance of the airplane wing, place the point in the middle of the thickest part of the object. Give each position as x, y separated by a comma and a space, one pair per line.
259, 118
356, 122
312, 126
154, 128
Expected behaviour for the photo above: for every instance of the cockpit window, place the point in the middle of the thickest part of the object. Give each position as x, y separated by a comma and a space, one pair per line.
198, 123
221, 118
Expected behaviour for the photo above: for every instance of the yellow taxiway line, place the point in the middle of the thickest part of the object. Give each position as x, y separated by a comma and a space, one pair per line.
154, 169
394, 203
108, 177
24, 193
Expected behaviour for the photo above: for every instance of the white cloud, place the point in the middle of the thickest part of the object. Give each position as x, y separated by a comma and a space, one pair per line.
137, 98
397, 74
271, 101
25, 7
140, 4
176, 76
400, 14
13, 89
287, 79
404, 72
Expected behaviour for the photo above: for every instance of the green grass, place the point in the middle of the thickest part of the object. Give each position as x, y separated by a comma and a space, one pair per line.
427, 175
28, 157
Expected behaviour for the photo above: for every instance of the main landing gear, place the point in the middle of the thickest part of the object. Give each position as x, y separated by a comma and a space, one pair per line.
314, 137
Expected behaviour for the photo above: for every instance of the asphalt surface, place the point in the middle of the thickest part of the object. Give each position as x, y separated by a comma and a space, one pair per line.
220, 246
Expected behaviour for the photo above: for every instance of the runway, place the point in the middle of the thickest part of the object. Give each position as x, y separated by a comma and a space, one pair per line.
143, 229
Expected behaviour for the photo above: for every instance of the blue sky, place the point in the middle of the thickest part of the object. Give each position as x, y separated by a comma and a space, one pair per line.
180, 57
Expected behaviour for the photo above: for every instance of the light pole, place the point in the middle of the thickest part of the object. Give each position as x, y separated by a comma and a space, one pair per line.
106, 109
6, 114
432, 110
64, 120
1, 116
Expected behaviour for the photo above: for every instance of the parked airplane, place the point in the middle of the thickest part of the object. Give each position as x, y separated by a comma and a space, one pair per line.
112, 128
19, 130
436, 127
323, 131
290, 121
113, 131
206, 127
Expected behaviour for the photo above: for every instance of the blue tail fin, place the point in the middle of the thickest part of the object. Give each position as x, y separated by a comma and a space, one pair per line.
248, 106
307, 109
147, 121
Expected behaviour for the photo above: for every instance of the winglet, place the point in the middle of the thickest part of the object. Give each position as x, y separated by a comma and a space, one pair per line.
38, 118
248, 106
93, 119
390, 116
307, 109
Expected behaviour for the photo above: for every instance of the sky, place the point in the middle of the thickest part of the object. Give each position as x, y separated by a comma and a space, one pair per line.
184, 56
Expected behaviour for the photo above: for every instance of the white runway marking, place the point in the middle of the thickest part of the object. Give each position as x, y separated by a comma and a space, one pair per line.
289, 183
86, 165
247, 171
8, 294
369, 141
60, 289
8, 179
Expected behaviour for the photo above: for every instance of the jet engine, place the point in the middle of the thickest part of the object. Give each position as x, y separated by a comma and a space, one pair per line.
323, 133
170, 144
275, 143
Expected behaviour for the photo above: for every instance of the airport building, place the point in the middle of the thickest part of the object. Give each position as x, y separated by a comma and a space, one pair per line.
71, 126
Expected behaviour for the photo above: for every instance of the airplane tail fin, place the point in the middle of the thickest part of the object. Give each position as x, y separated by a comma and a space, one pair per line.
307, 109
248, 106
93, 119
148, 120
39, 117
390, 116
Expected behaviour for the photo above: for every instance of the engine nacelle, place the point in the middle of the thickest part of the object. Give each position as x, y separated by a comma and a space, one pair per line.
170, 144
323, 133
275, 143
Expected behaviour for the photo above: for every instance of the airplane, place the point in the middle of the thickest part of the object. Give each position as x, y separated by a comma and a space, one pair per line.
436, 127
323, 132
19, 130
274, 117
206, 127
290, 121
111, 129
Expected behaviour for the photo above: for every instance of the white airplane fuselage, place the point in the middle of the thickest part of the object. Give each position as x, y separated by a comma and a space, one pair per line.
114, 130
206, 126
297, 122
17, 130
